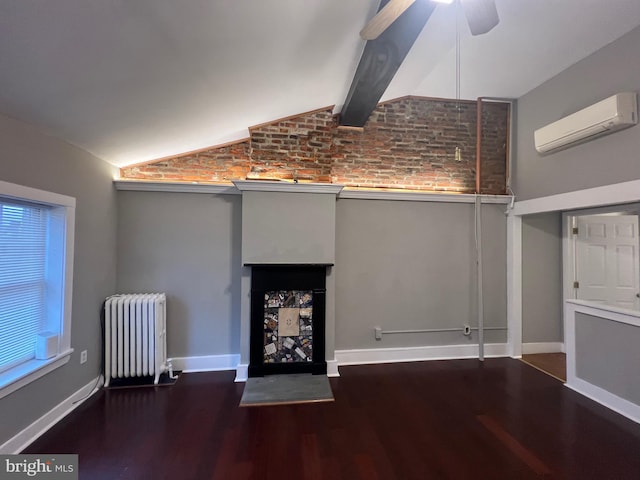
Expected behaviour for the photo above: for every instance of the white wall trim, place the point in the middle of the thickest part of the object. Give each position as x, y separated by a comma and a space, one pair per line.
205, 363
291, 187
618, 193
542, 347
514, 285
242, 372
21, 192
28, 372
417, 354
23, 439
349, 193
615, 194
610, 312
422, 196
598, 394
174, 187
61, 238
608, 399
332, 368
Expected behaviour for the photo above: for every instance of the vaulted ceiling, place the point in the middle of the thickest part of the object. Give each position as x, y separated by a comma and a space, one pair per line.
131, 81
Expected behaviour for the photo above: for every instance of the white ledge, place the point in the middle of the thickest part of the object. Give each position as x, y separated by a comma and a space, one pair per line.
183, 187
30, 371
423, 196
175, 187
609, 312
264, 186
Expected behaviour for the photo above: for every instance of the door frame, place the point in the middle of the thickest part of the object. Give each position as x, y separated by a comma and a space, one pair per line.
569, 243
608, 196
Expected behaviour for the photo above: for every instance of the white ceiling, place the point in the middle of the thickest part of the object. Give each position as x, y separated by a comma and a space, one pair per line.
134, 80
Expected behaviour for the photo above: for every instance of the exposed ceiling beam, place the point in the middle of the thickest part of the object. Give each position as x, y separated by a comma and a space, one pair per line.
380, 62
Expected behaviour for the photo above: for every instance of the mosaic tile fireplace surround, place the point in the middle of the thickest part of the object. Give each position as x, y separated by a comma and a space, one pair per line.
287, 319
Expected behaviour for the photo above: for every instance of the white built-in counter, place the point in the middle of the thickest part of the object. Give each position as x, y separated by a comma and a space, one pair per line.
603, 354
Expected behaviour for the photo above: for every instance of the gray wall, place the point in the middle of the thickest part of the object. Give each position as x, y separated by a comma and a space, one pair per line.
287, 227
607, 355
405, 265
542, 278
398, 265
188, 246
606, 160
30, 158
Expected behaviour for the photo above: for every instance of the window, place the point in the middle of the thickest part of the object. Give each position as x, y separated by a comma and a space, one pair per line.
36, 252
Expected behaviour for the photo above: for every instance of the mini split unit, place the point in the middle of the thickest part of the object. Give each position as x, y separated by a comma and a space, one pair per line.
607, 116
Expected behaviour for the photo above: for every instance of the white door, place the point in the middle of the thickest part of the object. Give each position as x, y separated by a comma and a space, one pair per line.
607, 260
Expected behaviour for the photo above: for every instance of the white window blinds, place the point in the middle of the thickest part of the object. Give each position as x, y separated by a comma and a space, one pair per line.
23, 265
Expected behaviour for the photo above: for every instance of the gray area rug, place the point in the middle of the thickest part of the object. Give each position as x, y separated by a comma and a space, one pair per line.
286, 389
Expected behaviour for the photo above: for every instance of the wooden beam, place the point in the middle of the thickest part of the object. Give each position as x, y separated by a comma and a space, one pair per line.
380, 62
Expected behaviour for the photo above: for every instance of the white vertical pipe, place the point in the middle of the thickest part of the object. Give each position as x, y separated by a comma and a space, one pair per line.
478, 233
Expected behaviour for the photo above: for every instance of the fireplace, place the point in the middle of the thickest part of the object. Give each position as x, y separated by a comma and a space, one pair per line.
287, 319
287, 311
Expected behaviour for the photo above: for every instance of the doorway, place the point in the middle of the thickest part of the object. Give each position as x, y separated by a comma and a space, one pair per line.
605, 260
601, 261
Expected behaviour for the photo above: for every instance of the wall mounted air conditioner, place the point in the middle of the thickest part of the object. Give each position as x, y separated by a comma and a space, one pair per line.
607, 116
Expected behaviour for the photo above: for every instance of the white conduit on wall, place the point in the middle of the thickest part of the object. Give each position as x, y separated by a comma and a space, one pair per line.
478, 235
478, 217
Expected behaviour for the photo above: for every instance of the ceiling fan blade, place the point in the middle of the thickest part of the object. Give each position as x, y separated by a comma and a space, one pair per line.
482, 15
384, 18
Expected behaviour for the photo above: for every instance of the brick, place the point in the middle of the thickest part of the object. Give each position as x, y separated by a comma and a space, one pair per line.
407, 143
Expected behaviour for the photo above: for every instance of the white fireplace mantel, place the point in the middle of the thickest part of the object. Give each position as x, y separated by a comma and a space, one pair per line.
290, 187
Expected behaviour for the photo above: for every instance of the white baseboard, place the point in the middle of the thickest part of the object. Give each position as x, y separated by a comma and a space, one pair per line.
608, 399
205, 363
242, 372
542, 347
346, 357
332, 368
416, 354
23, 439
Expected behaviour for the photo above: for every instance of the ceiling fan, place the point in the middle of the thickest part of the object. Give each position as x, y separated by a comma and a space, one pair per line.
482, 16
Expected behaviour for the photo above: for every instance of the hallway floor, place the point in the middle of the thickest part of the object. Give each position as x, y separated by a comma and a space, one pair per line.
554, 364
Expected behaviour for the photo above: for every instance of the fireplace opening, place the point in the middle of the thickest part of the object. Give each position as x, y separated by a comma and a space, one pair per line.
287, 319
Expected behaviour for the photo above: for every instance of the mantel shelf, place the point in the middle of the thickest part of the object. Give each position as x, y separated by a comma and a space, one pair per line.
290, 187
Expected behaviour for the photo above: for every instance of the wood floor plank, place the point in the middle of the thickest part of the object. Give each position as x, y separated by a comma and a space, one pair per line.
554, 364
457, 419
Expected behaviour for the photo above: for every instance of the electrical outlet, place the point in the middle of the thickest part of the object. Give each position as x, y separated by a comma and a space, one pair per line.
83, 356
378, 332
467, 330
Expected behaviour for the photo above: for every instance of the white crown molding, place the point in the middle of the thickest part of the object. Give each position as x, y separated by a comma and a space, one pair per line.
422, 196
290, 187
174, 187
618, 193
349, 193
27, 436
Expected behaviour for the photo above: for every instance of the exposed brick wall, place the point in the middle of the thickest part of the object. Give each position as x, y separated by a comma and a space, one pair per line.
294, 148
493, 159
214, 165
410, 143
407, 143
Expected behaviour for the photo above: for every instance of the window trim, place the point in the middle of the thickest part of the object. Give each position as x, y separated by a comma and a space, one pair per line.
23, 374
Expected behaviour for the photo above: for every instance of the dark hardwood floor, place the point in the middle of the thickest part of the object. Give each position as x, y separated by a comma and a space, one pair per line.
453, 419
